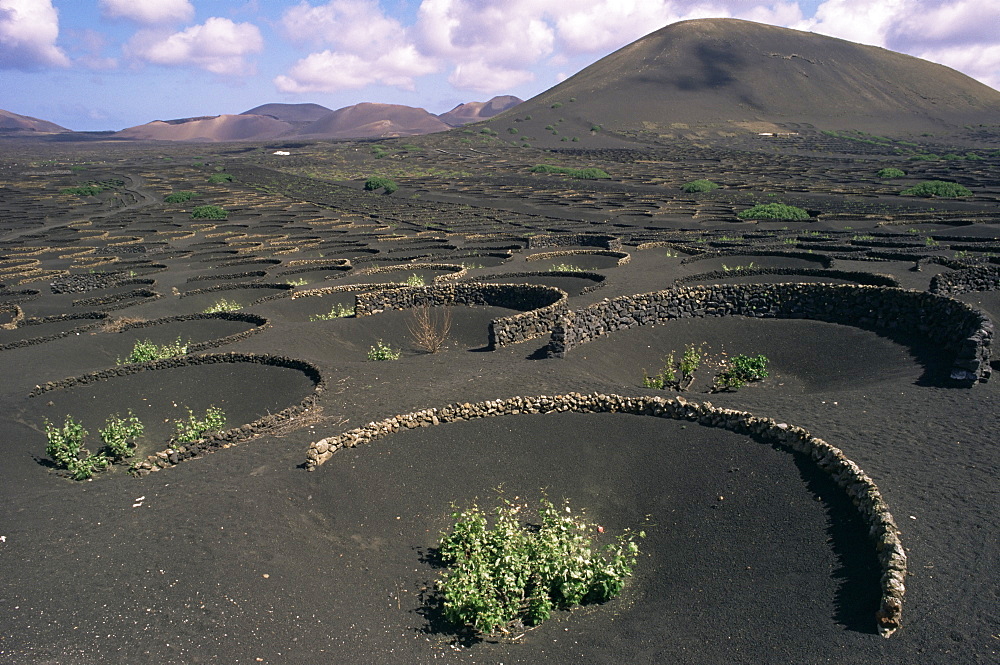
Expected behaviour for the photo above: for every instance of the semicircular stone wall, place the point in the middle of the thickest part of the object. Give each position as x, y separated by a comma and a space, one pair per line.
858, 486
958, 328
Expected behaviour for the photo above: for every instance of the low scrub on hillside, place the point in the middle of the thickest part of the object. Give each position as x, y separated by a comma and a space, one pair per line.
774, 211
380, 182
941, 188
890, 173
179, 197
696, 186
209, 212
583, 174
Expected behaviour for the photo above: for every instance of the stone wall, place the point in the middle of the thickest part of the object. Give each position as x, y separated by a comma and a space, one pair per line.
957, 327
861, 489
542, 306
574, 240
979, 278
623, 257
872, 279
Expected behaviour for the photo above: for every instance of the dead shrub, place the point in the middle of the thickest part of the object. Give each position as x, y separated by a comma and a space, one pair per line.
430, 327
120, 323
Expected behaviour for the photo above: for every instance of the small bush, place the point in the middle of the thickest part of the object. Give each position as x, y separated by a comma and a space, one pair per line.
179, 197
890, 173
382, 351
338, 311
667, 377
379, 151
65, 447
566, 267
696, 186
941, 188
223, 305
557, 105
120, 436
193, 429
219, 178
209, 212
509, 572
584, 174
742, 370
430, 328
415, 280
144, 351
380, 182
774, 211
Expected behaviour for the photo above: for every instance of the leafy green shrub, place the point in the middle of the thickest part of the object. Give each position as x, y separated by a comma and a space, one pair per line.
301, 281
379, 151
338, 311
890, 173
699, 186
512, 130
120, 436
942, 188
557, 105
566, 267
219, 178
65, 447
742, 370
774, 211
666, 378
924, 157
192, 429
223, 305
209, 212
144, 351
382, 351
596, 128
179, 197
584, 174
381, 182
508, 572
415, 280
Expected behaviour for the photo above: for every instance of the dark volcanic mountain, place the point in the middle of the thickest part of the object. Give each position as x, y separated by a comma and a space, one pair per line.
290, 112
374, 120
716, 75
475, 111
15, 123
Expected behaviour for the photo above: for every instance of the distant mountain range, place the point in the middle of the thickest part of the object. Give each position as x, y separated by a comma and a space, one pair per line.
693, 78
271, 121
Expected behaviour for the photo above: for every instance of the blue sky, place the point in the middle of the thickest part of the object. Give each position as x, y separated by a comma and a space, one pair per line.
110, 64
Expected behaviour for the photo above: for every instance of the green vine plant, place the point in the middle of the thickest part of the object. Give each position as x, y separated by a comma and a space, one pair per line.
382, 351
503, 573
65, 445
194, 429
146, 351
740, 371
338, 311
667, 377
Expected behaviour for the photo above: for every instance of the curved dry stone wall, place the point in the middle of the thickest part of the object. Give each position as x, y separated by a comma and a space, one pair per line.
574, 240
861, 489
454, 270
210, 444
823, 259
623, 257
869, 278
979, 278
957, 327
542, 306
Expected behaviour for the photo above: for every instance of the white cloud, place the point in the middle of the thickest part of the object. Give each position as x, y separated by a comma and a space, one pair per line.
28, 32
982, 64
368, 47
482, 77
87, 47
218, 45
329, 71
149, 12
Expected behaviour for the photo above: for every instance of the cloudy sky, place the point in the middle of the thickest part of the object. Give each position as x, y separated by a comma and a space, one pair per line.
110, 64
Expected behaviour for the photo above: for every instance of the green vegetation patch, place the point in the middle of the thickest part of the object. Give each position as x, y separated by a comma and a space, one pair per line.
696, 186
145, 351
209, 212
179, 197
381, 182
506, 572
219, 178
774, 211
890, 173
940, 188
583, 174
